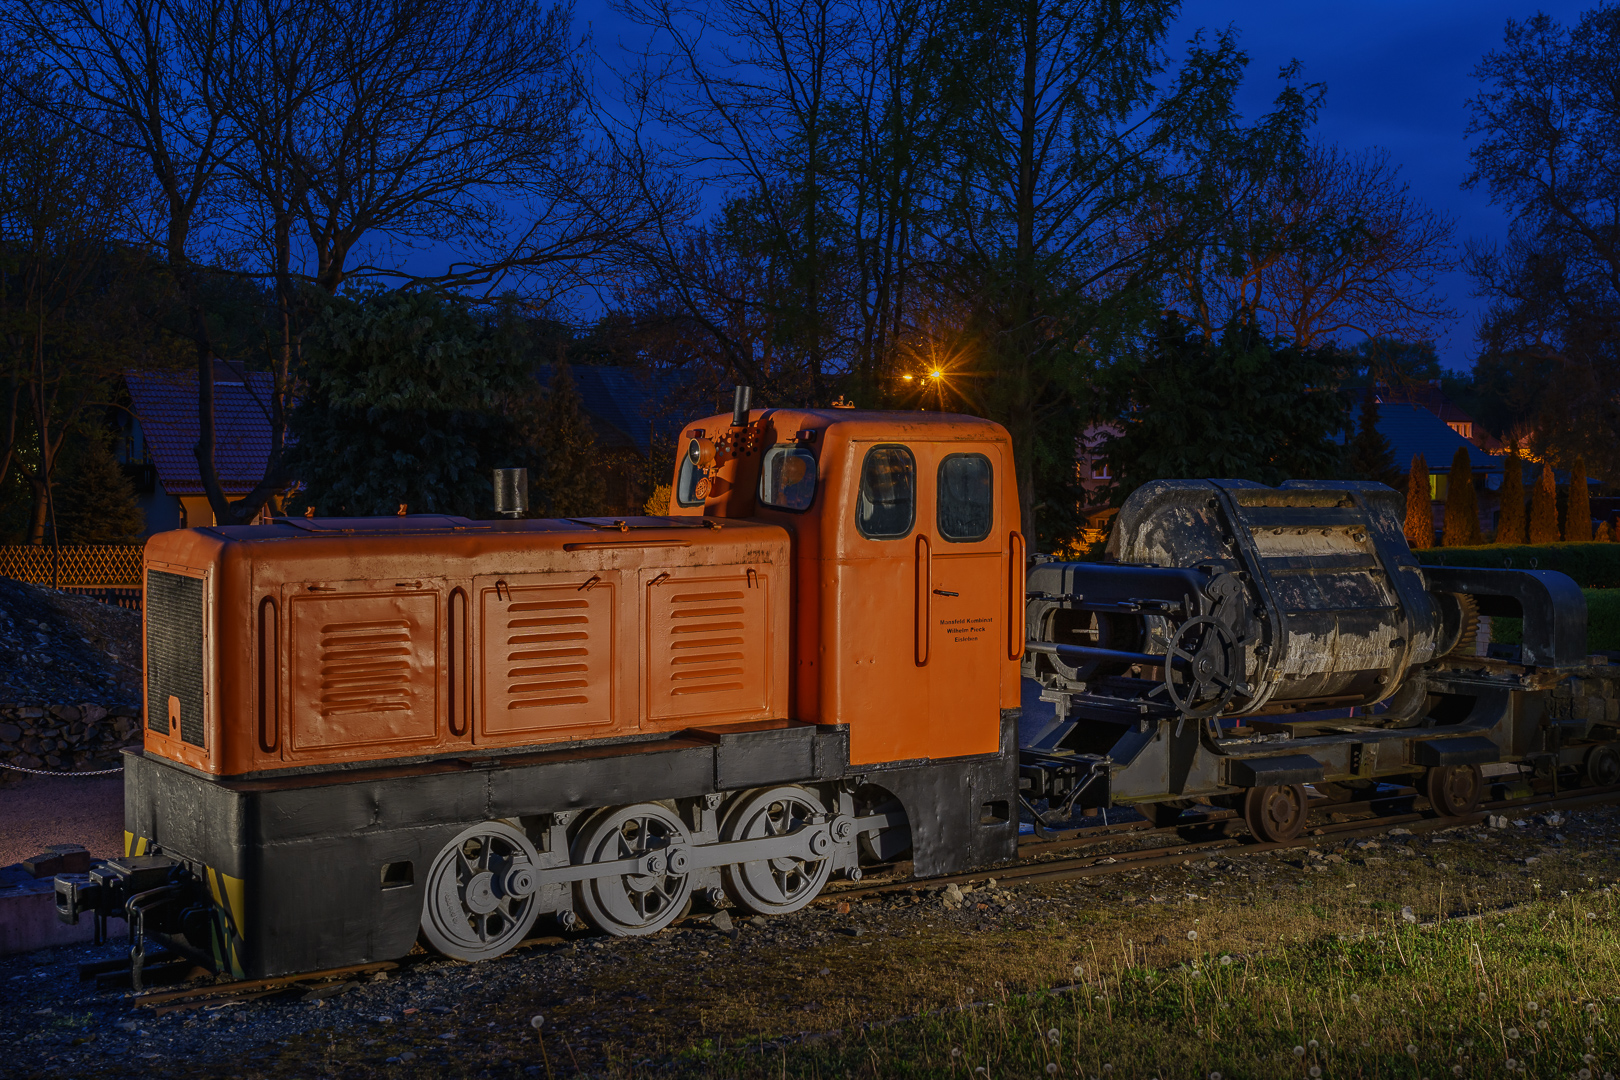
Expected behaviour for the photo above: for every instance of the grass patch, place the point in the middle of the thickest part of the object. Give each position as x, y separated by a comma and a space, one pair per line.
1534, 994
1602, 622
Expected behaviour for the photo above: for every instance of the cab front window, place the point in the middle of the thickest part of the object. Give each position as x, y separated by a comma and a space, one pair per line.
787, 478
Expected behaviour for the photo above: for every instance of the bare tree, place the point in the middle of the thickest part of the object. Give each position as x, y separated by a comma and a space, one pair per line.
308, 142
1077, 132
65, 198
1337, 246
148, 74
1545, 120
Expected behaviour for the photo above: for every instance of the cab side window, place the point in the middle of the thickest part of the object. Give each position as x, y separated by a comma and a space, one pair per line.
686, 486
966, 498
887, 507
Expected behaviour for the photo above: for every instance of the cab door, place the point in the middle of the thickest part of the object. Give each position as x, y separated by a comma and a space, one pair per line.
963, 595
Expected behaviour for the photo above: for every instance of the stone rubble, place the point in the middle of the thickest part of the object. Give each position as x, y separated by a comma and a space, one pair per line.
70, 678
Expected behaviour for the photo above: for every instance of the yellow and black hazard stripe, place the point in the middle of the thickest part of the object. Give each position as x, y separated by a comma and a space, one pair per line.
229, 895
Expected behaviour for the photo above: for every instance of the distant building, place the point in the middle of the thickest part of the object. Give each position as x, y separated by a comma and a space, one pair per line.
1092, 476
1428, 395
158, 436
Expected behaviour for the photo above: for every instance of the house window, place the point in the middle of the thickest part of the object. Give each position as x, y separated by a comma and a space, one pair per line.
1438, 485
1099, 470
1466, 430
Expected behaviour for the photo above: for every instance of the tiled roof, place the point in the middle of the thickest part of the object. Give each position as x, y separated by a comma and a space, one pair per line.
1412, 429
165, 403
630, 403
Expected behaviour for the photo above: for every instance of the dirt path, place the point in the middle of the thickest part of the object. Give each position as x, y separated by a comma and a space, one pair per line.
36, 811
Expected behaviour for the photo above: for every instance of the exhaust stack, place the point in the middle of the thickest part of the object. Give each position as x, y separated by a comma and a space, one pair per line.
512, 492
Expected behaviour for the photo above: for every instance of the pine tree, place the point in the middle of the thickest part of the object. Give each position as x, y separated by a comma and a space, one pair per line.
1578, 511
1371, 456
95, 502
1510, 526
1462, 505
1544, 509
570, 475
1419, 511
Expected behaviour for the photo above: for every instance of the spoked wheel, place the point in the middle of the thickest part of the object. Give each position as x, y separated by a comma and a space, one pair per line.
480, 899
1602, 767
1454, 790
789, 882
1275, 814
631, 905
1201, 668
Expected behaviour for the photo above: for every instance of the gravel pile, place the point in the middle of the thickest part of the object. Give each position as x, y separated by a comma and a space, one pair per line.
57, 649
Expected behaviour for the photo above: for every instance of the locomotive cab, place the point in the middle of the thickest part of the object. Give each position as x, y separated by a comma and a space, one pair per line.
908, 575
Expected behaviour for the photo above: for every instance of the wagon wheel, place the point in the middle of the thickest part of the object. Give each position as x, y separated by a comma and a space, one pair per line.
1198, 667
632, 905
789, 882
479, 900
1454, 790
1602, 767
1276, 813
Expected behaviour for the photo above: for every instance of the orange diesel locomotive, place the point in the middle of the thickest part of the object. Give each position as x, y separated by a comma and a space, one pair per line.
359, 731
362, 733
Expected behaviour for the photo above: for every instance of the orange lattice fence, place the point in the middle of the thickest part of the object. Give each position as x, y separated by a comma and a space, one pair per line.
111, 573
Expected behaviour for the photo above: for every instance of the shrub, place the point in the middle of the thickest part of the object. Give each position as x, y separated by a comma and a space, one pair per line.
1592, 565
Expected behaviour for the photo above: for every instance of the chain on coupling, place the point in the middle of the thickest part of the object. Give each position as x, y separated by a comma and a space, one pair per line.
49, 772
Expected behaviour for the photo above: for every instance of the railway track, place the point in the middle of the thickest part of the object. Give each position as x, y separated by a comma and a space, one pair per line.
1034, 866
1039, 861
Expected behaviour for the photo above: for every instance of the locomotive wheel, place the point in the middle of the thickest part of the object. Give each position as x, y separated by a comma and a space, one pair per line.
1276, 813
1602, 767
1454, 790
479, 899
632, 905
774, 886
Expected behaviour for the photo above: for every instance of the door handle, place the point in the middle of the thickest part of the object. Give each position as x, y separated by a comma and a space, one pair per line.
945, 592
925, 576
1016, 588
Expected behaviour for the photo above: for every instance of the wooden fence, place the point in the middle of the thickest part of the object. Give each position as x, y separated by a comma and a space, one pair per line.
110, 574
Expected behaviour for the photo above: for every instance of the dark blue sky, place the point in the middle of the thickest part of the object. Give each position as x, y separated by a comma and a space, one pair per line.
1397, 74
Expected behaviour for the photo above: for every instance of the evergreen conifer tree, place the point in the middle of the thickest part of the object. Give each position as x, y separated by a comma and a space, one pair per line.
1510, 526
570, 469
1578, 508
95, 502
1371, 456
1544, 508
1462, 505
1419, 510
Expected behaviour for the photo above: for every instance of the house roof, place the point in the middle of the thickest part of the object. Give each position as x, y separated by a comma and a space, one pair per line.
628, 405
1430, 396
165, 403
1413, 429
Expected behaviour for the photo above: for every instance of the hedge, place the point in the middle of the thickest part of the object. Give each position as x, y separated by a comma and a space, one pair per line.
1593, 565
1602, 623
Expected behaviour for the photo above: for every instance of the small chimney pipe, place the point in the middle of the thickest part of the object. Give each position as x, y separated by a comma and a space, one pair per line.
742, 400
512, 492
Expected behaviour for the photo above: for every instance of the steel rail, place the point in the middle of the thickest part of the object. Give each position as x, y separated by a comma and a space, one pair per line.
1030, 870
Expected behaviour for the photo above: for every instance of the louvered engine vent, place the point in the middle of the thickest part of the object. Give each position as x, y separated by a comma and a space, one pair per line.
365, 667
547, 653
706, 643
